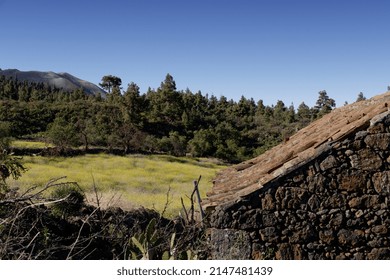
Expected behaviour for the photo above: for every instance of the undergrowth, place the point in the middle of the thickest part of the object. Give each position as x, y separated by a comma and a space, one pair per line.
64, 226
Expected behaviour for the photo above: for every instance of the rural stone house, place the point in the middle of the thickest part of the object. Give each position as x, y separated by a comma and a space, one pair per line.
322, 194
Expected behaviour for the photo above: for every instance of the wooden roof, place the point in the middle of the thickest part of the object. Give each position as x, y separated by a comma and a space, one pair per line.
307, 144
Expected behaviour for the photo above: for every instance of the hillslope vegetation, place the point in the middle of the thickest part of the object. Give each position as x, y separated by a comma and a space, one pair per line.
163, 120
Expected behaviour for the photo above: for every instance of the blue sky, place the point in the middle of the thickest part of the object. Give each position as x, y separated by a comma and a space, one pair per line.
266, 49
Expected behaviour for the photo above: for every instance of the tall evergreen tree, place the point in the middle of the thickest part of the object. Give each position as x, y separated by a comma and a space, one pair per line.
304, 115
324, 103
360, 97
134, 105
170, 102
169, 84
109, 82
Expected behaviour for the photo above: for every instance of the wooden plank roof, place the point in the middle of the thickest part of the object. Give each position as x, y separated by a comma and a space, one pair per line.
240, 180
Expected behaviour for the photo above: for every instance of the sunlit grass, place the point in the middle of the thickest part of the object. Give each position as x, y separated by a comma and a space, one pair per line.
30, 144
139, 180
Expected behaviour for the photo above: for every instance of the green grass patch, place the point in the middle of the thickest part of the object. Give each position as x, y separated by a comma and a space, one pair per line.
24, 144
127, 181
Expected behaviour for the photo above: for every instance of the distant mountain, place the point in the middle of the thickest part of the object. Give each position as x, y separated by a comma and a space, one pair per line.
59, 80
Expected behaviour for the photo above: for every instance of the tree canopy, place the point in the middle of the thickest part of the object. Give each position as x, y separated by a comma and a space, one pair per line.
162, 120
109, 82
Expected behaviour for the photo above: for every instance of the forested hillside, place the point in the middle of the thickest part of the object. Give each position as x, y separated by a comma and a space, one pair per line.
162, 120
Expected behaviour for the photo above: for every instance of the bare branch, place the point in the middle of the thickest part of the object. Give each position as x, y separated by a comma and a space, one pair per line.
79, 234
167, 202
95, 191
25, 197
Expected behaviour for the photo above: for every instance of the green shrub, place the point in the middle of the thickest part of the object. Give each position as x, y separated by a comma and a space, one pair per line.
70, 199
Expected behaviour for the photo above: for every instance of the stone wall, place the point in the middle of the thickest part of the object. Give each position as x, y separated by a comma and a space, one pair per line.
336, 206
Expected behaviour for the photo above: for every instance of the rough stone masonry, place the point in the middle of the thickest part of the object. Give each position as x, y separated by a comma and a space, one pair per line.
325, 195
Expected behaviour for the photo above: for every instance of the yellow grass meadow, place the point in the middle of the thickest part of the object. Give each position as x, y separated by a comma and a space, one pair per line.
30, 144
125, 181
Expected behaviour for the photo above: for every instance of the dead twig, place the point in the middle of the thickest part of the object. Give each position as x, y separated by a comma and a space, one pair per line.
184, 210
167, 202
195, 191
96, 192
79, 234
30, 197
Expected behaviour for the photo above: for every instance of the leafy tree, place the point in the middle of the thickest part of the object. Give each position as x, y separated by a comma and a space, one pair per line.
203, 143
62, 134
175, 144
124, 135
231, 151
87, 131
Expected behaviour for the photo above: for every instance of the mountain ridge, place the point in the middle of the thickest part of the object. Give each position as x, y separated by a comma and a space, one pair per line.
61, 80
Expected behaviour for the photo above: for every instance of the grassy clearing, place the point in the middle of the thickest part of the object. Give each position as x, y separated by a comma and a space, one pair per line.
30, 144
128, 181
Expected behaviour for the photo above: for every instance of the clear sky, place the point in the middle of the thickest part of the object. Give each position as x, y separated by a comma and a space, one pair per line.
272, 50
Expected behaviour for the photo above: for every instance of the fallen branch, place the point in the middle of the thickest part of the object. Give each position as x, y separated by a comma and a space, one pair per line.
30, 197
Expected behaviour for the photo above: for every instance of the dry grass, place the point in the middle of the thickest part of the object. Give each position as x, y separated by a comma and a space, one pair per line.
128, 181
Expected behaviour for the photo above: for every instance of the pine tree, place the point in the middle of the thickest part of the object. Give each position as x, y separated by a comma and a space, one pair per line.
360, 97
324, 104
170, 101
133, 104
109, 82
